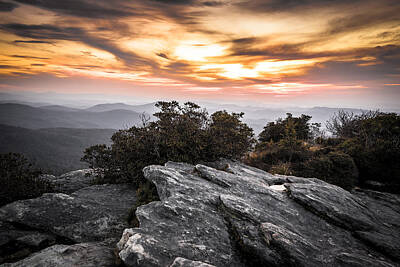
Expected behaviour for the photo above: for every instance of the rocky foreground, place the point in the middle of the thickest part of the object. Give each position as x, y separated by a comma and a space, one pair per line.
225, 214
75, 229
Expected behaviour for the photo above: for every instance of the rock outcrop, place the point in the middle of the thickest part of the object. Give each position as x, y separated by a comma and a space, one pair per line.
72, 181
223, 214
83, 254
93, 214
235, 215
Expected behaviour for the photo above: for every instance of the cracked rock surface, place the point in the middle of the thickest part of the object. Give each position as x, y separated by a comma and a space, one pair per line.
235, 215
91, 214
83, 254
66, 227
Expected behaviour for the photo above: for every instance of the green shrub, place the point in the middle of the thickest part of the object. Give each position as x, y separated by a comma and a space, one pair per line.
374, 144
181, 133
335, 167
283, 168
19, 180
301, 128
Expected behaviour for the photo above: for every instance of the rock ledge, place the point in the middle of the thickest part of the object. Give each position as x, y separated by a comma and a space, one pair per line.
242, 216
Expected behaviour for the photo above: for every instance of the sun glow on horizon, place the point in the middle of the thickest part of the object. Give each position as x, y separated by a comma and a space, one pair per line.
198, 51
267, 68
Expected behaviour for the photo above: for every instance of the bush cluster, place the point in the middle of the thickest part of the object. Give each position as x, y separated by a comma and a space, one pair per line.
19, 179
184, 133
363, 147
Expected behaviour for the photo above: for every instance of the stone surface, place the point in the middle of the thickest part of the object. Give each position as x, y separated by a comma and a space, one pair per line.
72, 181
17, 243
182, 262
93, 213
83, 254
242, 216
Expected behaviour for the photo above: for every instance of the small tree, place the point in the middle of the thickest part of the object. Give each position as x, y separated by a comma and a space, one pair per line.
228, 136
276, 131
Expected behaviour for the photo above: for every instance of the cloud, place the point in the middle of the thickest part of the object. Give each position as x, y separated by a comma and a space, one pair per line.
98, 9
289, 5
7, 6
7, 67
176, 2
213, 3
28, 57
358, 21
51, 32
32, 42
191, 2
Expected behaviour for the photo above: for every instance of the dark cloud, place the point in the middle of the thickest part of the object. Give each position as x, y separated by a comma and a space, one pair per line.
30, 57
245, 40
285, 5
394, 36
51, 32
213, 3
106, 10
7, 6
38, 65
175, 2
7, 67
361, 21
272, 4
389, 54
43, 31
32, 42
191, 2
85, 8
162, 55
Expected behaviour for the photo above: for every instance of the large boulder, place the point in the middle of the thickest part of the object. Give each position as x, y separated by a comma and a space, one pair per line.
93, 213
235, 215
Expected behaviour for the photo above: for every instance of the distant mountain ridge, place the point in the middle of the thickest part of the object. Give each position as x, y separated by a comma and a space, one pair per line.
147, 108
121, 115
55, 150
42, 117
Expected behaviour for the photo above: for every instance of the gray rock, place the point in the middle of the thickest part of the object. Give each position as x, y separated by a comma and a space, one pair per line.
182, 262
17, 243
235, 215
73, 181
91, 214
83, 254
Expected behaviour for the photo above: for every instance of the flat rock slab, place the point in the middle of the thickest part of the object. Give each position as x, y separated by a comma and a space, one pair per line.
93, 213
83, 254
236, 215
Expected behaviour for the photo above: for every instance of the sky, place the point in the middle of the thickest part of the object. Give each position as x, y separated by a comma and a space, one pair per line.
271, 52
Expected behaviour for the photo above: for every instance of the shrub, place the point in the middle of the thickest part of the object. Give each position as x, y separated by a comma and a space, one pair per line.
335, 167
283, 168
181, 133
19, 180
227, 136
375, 146
302, 129
279, 156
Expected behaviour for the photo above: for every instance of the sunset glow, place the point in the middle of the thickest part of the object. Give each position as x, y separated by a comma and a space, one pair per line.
258, 49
